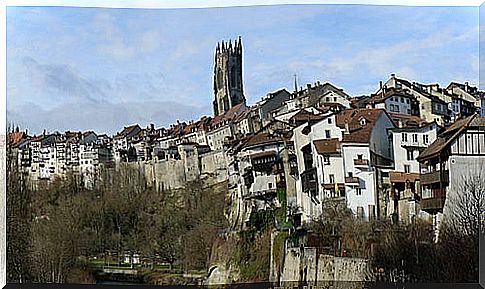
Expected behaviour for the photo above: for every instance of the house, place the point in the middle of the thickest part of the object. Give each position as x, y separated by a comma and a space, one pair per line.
468, 94
367, 157
341, 156
457, 152
317, 96
222, 129
431, 107
256, 173
407, 143
271, 101
395, 101
122, 143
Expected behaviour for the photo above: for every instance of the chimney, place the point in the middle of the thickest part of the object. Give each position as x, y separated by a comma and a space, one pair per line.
308, 86
466, 86
346, 131
393, 75
380, 84
43, 133
318, 82
152, 126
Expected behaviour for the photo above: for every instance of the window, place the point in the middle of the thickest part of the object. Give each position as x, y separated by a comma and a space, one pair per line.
425, 138
359, 157
397, 108
270, 186
328, 99
358, 191
335, 99
404, 136
407, 168
392, 107
326, 160
327, 133
410, 155
351, 174
402, 99
329, 120
415, 137
409, 111
407, 100
332, 178
362, 121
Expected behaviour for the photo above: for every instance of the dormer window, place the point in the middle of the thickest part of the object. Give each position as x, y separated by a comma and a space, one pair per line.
362, 121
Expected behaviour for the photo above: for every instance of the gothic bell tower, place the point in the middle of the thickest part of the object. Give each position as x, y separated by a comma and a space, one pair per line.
228, 84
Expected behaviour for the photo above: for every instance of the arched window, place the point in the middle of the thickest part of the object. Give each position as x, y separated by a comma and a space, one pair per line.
219, 77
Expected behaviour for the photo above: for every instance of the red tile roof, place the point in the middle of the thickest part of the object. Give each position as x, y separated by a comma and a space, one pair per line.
327, 146
261, 138
358, 133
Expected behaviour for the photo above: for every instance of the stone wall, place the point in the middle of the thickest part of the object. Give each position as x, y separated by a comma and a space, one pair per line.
307, 266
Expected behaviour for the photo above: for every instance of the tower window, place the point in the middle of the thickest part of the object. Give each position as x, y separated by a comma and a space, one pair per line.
233, 76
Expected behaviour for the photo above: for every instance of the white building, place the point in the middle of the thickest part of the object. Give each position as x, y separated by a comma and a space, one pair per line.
407, 144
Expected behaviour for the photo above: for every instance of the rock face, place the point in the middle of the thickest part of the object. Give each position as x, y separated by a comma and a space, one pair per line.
222, 274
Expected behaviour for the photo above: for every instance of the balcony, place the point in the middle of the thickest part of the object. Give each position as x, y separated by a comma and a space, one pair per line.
435, 202
352, 180
435, 177
261, 194
333, 194
432, 204
309, 180
361, 162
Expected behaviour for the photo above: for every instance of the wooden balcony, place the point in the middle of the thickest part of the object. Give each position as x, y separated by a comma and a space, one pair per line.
309, 180
361, 162
352, 180
433, 204
331, 186
435, 177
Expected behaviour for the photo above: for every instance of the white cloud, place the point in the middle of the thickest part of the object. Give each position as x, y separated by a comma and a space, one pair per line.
123, 46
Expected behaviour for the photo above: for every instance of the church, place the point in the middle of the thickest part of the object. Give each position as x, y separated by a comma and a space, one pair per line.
228, 83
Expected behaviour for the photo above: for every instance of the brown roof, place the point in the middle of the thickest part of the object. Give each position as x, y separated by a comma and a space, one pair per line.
14, 138
389, 92
127, 130
406, 119
401, 177
358, 133
447, 137
229, 115
327, 146
261, 138
304, 116
263, 154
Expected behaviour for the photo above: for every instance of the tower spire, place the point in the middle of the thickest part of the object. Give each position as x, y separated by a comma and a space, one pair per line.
228, 82
296, 84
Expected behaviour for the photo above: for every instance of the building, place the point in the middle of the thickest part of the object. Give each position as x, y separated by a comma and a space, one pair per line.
228, 82
469, 94
407, 143
431, 107
341, 156
458, 152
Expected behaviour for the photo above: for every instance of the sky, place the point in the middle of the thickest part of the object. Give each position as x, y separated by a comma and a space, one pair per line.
101, 69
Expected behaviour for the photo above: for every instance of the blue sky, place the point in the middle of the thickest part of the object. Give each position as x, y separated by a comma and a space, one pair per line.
101, 68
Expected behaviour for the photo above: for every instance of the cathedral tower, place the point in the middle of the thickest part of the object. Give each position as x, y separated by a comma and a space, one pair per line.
228, 84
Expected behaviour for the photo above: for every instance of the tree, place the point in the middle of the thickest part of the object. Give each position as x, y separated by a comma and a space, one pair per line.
460, 230
18, 220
